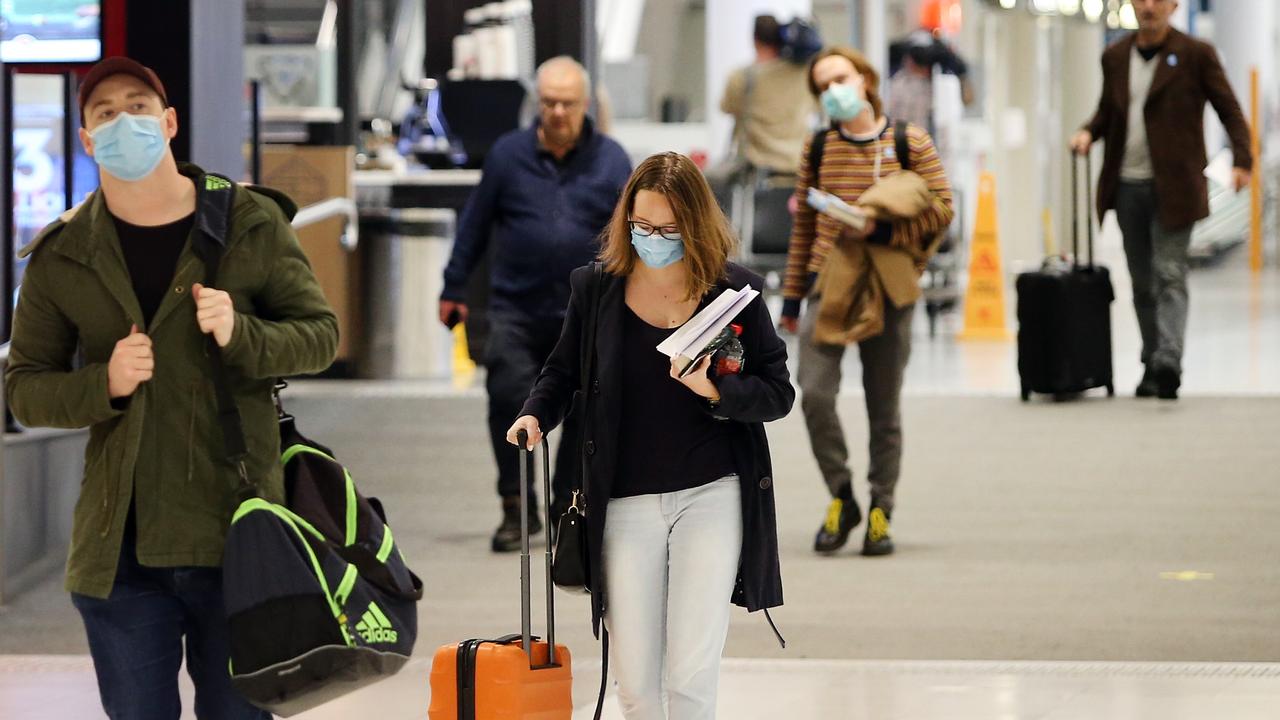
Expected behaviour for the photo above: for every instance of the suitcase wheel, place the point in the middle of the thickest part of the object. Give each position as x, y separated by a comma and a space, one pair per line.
1111, 390
1026, 393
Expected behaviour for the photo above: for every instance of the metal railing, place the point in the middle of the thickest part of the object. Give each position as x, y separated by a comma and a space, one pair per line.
333, 207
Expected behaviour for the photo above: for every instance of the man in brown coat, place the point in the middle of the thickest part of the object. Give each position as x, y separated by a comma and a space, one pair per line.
1155, 84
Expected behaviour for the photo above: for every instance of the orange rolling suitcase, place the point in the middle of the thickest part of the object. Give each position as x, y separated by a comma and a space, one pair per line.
514, 677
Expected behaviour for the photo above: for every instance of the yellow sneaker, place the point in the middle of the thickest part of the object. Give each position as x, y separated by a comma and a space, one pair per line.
877, 541
842, 517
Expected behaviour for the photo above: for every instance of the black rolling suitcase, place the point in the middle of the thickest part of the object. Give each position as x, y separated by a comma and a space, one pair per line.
1064, 317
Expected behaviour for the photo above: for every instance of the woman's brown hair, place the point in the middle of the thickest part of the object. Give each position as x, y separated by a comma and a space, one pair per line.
708, 241
871, 78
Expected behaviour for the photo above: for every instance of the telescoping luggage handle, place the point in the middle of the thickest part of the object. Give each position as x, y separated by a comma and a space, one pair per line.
1075, 208
526, 601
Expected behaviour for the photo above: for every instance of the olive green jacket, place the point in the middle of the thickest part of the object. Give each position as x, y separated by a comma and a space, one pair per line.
162, 447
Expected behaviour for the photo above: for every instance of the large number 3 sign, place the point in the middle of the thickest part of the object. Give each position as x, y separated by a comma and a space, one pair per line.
37, 182
33, 166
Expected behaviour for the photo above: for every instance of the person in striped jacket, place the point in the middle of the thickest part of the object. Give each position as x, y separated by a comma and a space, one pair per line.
850, 156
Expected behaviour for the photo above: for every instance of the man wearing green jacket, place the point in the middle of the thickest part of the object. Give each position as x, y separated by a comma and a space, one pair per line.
109, 333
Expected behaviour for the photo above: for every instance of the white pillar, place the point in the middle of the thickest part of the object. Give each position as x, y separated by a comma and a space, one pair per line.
729, 46
874, 42
215, 122
1245, 35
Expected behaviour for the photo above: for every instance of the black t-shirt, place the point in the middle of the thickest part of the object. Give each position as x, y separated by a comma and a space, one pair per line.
151, 254
1151, 52
668, 441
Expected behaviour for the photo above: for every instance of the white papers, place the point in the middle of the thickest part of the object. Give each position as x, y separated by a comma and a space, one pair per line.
690, 340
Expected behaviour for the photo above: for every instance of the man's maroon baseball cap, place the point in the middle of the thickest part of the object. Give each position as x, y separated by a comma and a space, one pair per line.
119, 66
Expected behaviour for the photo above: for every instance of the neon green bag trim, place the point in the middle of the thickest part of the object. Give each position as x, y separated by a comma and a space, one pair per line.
388, 543
296, 450
298, 525
351, 508
348, 582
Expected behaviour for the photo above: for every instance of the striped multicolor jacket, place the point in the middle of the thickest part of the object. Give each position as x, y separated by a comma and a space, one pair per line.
848, 168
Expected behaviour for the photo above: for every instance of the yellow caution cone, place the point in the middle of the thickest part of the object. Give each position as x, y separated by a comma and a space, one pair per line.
984, 316
464, 368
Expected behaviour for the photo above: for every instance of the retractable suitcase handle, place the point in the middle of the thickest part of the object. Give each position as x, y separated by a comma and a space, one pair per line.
526, 592
1075, 208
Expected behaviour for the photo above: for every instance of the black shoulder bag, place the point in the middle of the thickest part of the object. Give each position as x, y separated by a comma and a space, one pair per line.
569, 569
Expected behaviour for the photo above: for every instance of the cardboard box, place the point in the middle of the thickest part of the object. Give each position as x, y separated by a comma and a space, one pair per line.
310, 175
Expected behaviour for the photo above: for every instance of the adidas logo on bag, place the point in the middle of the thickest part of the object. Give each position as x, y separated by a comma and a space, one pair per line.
375, 628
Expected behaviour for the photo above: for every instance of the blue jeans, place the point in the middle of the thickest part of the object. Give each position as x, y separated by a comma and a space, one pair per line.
136, 639
670, 562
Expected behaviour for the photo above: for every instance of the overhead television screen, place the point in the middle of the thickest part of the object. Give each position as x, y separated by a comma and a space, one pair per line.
50, 31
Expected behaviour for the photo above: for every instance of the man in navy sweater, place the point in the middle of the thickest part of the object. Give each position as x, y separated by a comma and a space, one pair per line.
545, 195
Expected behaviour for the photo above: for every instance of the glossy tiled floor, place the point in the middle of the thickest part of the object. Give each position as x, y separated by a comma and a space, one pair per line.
60, 687
1051, 548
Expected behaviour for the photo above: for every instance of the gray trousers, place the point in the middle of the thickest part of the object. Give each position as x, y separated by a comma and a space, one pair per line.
884, 360
1158, 266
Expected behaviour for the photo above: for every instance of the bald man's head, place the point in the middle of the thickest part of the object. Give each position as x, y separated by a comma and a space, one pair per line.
564, 91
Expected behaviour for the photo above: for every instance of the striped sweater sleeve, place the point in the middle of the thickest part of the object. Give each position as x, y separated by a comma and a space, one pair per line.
918, 232
804, 229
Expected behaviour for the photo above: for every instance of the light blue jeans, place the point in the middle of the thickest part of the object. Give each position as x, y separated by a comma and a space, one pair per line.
670, 563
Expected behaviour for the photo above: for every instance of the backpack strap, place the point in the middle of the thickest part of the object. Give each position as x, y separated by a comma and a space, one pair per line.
215, 197
816, 146
901, 144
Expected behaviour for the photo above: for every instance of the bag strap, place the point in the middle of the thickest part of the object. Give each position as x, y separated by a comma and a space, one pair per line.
588, 357
738, 139
901, 144
816, 147
604, 669
215, 196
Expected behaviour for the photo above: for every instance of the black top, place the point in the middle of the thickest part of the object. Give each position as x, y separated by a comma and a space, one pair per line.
1148, 53
761, 393
151, 254
669, 441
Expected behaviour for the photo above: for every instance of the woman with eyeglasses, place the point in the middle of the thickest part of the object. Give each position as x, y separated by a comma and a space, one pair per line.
678, 483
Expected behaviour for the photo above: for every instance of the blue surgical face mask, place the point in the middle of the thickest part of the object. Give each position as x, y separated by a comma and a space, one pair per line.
130, 147
656, 251
842, 102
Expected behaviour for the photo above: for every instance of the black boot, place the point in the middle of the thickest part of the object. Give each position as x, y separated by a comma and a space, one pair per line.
1148, 387
843, 515
877, 541
507, 537
1167, 383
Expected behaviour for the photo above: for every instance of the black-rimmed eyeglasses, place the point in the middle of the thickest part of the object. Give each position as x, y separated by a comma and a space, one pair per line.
644, 229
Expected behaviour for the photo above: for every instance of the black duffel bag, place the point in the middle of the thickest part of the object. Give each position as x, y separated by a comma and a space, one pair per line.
319, 601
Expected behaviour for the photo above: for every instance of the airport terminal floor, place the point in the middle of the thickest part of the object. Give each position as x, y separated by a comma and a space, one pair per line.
1090, 560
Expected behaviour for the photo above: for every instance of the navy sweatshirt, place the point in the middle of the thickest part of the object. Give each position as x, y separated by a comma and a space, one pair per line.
545, 217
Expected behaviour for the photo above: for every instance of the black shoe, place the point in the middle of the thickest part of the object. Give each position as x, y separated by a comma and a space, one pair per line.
1148, 387
877, 541
842, 517
507, 537
1167, 383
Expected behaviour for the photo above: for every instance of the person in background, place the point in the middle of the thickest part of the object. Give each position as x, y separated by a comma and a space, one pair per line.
911, 80
110, 334
545, 193
770, 104
858, 149
680, 508
1155, 83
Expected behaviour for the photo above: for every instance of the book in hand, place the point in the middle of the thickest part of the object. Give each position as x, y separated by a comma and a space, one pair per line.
697, 338
832, 206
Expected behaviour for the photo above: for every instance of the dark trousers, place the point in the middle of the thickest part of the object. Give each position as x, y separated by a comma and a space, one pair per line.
517, 348
884, 362
1158, 265
136, 637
